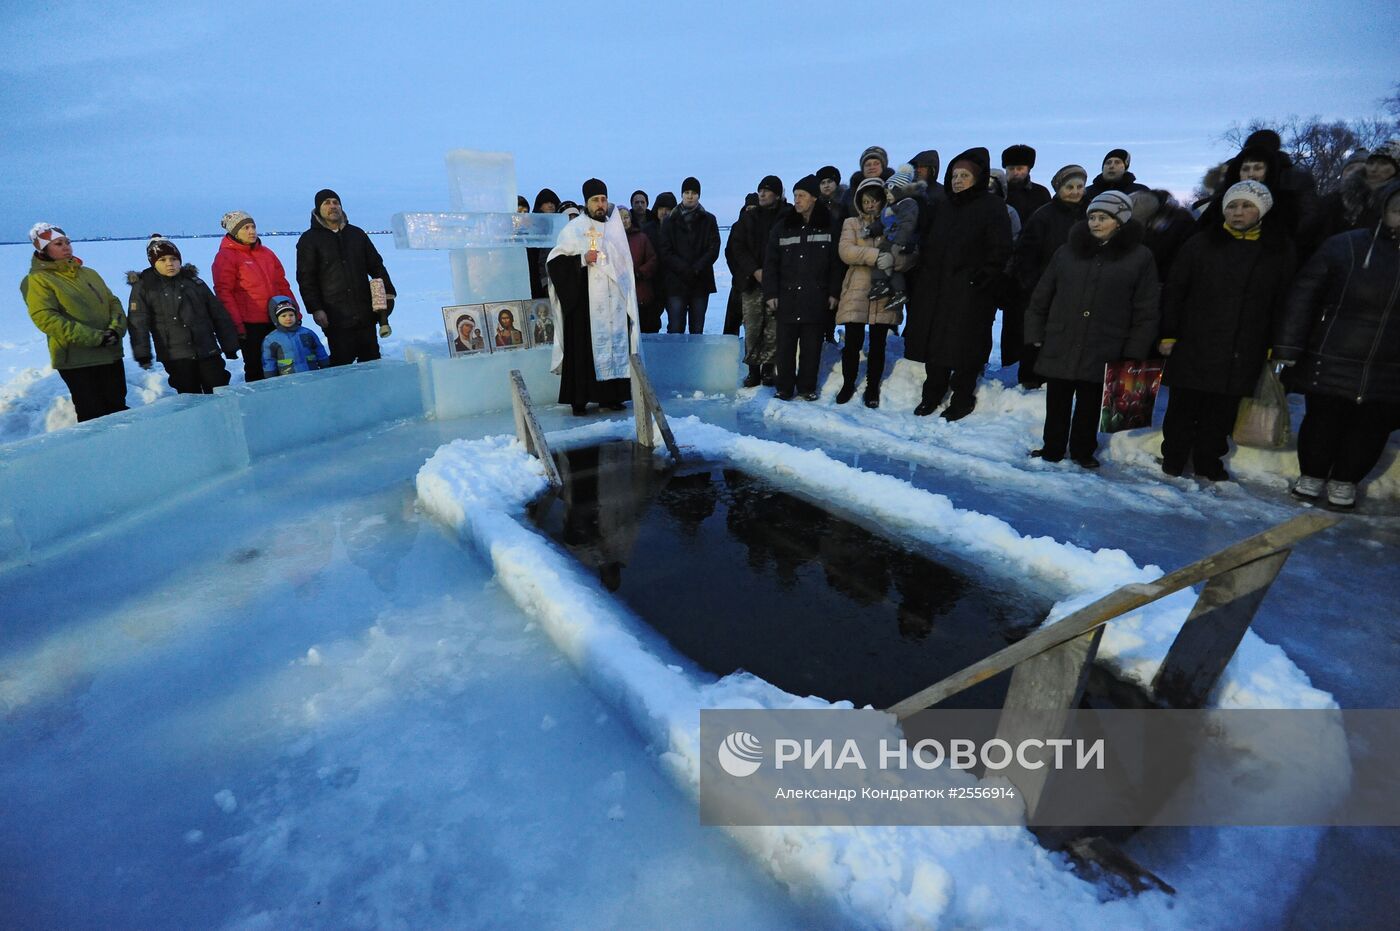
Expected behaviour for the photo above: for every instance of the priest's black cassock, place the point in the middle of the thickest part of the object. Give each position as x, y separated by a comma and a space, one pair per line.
578, 381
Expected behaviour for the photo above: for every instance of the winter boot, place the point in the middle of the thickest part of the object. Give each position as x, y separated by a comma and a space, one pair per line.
872, 398
897, 299
847, 392
1341, 494
770, 376
1308, 487
754, 378
958, 408
1086, 462
880, 289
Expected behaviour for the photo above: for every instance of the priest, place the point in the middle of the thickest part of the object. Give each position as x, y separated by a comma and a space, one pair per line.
595, 300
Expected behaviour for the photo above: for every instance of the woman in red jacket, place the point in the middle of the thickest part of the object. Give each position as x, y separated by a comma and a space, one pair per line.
247, 275
643, 257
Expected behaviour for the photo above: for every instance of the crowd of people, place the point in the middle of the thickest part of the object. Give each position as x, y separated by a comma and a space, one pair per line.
1087, 272
1091, 271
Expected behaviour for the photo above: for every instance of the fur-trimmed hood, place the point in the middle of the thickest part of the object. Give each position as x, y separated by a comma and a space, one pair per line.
1085, 246
186, 271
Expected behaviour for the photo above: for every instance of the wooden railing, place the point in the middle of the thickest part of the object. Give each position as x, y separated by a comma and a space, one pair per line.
1051, 666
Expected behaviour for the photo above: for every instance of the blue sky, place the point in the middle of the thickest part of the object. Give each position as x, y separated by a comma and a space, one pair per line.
127, 118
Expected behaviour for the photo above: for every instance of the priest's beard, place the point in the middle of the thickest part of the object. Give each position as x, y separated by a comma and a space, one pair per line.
600, 214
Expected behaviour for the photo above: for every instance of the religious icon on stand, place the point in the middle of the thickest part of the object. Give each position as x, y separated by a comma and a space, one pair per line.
465, 335
503, 319
539, 322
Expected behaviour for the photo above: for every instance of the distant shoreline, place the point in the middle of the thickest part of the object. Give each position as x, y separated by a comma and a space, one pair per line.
261, 235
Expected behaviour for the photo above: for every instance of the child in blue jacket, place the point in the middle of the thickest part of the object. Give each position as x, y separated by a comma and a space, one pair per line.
897, 229
291, 347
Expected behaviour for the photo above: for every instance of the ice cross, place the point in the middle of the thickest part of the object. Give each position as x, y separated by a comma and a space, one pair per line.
485, 234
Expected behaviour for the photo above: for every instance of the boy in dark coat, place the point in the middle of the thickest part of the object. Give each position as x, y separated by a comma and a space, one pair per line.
173, 308
1220, 307
1095, 304
801, 283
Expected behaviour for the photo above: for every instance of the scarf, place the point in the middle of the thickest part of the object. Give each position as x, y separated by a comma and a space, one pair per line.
1250, 235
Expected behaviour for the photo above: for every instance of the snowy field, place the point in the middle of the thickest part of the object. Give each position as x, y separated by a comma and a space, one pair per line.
293, 699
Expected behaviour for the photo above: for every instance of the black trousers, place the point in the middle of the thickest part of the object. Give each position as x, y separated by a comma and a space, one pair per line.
97, 390
196, 376
799, 342
875, 360
963, 381
359, 344
250, 344
1080, 429
1342, 440
1197, 425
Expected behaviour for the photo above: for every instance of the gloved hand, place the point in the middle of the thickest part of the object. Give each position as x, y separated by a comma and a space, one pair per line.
145, 364
110, 338
884, 261
321, 319
872, 230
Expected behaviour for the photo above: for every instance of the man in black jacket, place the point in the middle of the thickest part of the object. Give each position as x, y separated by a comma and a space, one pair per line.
335, 262
1023, 194
746, 252
801, 283
1115, 176
689, 248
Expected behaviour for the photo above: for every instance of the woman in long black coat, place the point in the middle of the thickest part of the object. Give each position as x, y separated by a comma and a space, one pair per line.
961, 258
1095, 304
1342, 329
1220, 309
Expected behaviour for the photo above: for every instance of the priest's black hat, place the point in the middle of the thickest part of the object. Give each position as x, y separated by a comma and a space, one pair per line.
593, 187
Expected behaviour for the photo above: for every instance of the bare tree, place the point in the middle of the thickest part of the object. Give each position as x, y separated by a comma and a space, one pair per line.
1321, 147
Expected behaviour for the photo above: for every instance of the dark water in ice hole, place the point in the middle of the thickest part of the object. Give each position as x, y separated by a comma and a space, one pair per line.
737, 574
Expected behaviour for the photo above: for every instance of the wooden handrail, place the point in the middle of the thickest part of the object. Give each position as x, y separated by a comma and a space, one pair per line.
1116, 603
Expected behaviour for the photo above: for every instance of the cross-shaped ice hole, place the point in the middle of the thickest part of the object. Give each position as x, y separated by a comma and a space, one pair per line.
486, 237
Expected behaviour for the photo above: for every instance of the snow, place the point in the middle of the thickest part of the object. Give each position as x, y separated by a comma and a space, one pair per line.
879, 877
413, 733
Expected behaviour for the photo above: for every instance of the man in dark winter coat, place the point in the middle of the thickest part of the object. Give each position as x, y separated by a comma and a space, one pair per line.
953, 305
335, 262
1096, 303
833, 192
1023, 194
173, 308
1220, 308
689, 248
1115, 176
801, 284
1342, 330
734, 308
746, 252
1044, 233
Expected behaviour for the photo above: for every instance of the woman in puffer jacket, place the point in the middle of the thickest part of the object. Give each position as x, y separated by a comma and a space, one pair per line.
83, 320
1341, 335
247, 275
1095, 304
855, 309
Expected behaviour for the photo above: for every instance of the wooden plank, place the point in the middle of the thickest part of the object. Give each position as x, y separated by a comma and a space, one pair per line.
1045, 690
641, 412
1213, 631
517, 405
537, 444
1121, 601
640, 377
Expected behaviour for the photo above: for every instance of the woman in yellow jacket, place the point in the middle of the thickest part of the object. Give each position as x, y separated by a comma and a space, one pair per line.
82, 319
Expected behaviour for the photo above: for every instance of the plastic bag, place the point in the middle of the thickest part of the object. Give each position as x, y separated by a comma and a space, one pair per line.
1263, 419
1129, 394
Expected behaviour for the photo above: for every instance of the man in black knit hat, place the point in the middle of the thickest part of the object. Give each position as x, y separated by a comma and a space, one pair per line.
335, 262
689, 248
1115, 176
